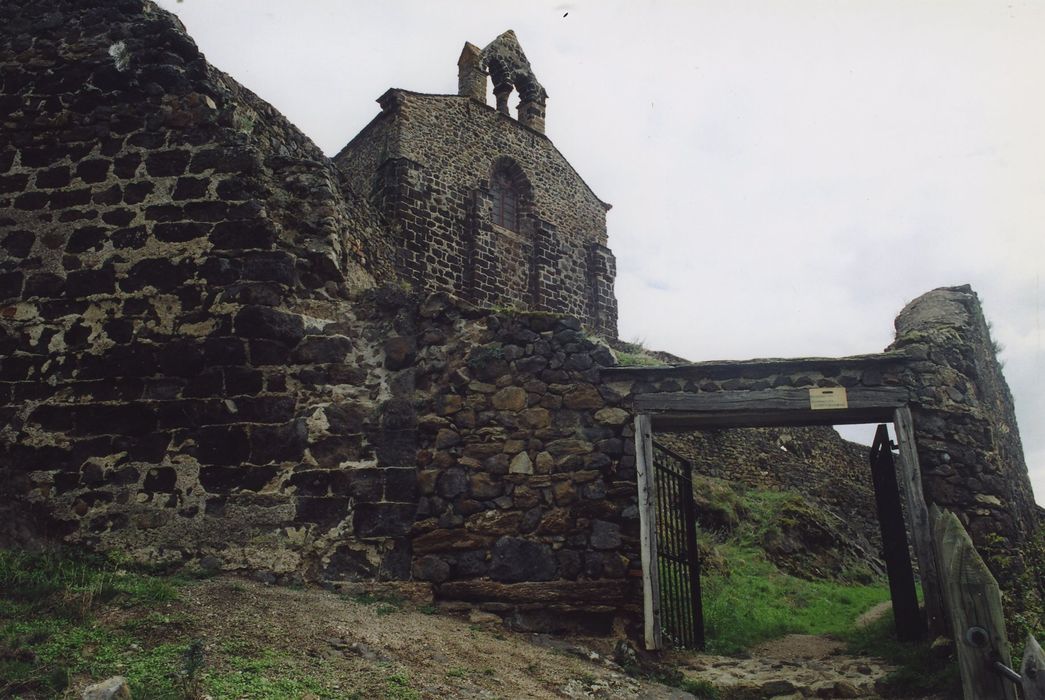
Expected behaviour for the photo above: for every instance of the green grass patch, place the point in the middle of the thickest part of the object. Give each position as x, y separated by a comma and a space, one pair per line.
267, 675
48, 602
397, 687
747, 599
69, 583
754, 602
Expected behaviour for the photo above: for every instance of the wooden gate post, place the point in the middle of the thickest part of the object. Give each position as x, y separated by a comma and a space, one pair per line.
973, 601
648, 531
919, 521
1032, 670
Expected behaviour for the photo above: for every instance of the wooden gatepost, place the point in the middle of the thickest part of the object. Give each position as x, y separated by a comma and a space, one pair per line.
972, 599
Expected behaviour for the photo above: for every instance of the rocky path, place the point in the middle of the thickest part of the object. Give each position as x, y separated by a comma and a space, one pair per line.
795, 666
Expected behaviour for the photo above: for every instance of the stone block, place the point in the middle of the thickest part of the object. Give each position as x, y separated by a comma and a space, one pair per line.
278, 443
321, 349
324, 511
452, 483
382, 519
448, 540
511, 398
605, 535
166, 163
319, 483
431, 568
495, 522
226, 479
400, 352
521, 464
401, 484
516, 559
366, 485
483, 486
267, 323
221, 445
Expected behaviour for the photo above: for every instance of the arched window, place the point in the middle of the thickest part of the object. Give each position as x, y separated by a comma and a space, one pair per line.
505, 197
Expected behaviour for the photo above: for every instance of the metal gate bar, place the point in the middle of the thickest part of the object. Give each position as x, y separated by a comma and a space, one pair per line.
682, 616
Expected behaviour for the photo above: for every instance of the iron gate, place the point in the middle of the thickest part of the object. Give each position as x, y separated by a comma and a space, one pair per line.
678, 565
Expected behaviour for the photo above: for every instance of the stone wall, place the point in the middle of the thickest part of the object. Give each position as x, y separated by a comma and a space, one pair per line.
526, 475
968, 439
426, 162
178, 359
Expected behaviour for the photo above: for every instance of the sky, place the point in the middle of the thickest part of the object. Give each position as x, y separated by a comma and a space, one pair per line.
785, 176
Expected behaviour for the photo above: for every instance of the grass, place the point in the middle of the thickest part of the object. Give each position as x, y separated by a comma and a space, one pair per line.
397, 687
634, 354
47, 632
747, 599
386, 603
54, 608
754, 602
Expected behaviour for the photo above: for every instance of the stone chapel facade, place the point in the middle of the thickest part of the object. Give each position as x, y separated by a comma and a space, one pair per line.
483, 205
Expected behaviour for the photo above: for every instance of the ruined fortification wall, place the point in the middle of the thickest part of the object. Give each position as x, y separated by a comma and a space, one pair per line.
968, 439
176, 353
426, 161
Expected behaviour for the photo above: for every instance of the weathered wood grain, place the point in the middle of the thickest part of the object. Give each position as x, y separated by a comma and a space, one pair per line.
920, 524
648, 531
1032, 670
975, 612
764, 407
909, 624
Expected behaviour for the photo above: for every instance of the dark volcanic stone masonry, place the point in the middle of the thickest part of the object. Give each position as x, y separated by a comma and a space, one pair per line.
219, 349
427, 161
179, 365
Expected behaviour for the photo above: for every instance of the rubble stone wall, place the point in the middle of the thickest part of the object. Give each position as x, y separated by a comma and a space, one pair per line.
965, 423
526, 476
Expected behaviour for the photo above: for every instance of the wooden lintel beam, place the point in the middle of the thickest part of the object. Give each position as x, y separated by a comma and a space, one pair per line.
883, 399
681, 420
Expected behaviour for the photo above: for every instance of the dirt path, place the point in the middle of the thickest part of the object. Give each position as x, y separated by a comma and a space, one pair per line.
876, 613
369, 647
374, 649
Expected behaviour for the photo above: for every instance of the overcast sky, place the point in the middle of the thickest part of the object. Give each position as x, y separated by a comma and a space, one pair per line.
784, 175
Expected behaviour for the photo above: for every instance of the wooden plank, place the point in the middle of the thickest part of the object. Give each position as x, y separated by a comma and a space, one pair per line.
648, 531
683, 420
764, 400
919, 522
1032, 670
909, 623
946, 604
975, 613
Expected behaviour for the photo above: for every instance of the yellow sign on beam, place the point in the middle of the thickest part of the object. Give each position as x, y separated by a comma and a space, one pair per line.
828, 398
